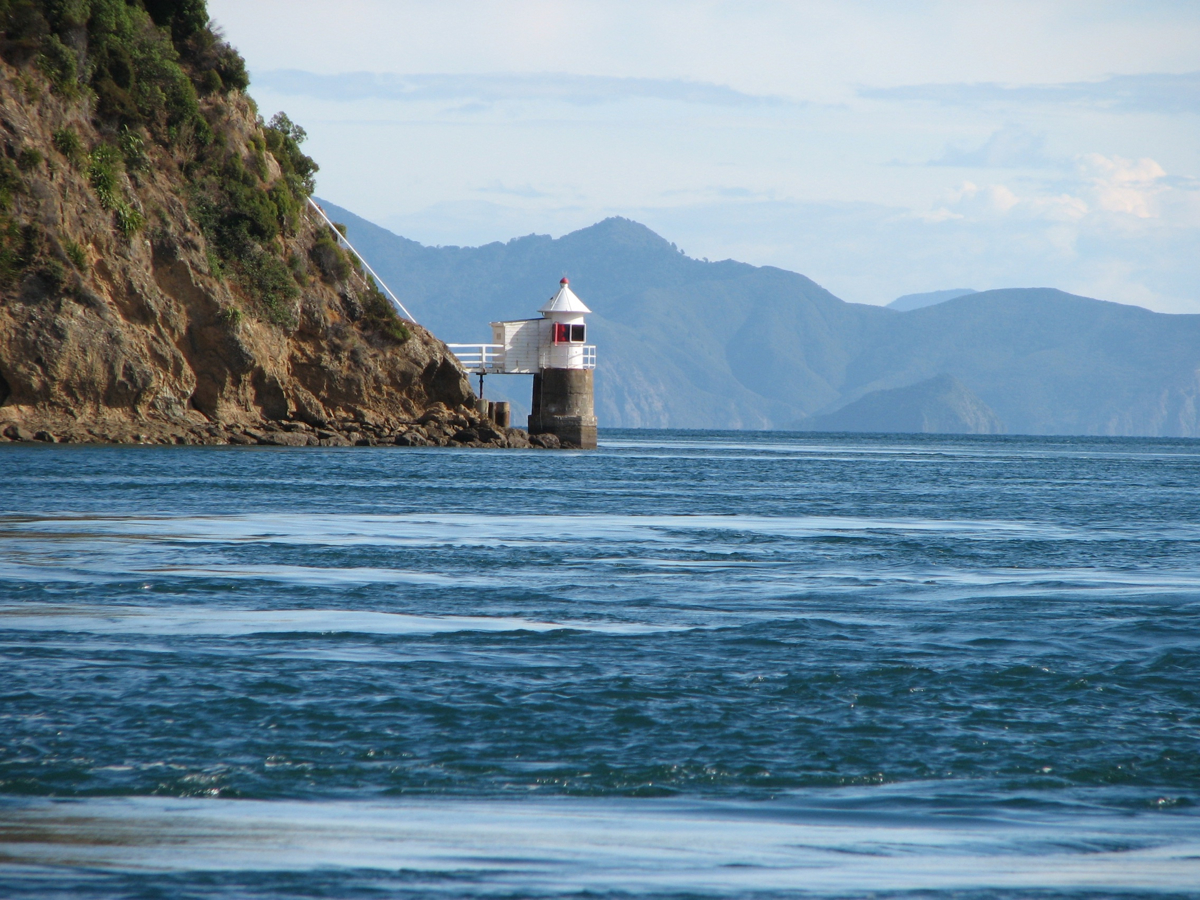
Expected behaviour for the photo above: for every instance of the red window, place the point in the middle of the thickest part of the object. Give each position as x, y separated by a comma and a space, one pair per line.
568, 334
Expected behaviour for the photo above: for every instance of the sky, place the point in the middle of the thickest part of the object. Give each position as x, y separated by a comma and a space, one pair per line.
879, 148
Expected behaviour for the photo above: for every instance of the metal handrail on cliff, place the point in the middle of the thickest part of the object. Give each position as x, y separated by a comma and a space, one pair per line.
342, 239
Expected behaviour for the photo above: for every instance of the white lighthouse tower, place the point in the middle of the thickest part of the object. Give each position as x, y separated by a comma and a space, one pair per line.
555, 351
565, 347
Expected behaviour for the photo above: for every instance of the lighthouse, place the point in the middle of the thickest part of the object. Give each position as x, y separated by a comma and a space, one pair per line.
564, 386
554, 349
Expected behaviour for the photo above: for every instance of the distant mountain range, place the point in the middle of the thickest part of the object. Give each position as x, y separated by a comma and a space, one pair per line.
932, 298
941, 405
686, 343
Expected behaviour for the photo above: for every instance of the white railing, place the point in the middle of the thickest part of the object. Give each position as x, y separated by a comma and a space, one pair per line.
488, 359
479, 357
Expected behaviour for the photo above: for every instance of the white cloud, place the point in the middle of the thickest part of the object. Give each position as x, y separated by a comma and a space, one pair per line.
1002, 198
1123, 185
1103, 184
1060, 208
969, 199
941, 214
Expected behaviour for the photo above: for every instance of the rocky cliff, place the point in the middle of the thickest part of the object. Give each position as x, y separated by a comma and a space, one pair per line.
162, 278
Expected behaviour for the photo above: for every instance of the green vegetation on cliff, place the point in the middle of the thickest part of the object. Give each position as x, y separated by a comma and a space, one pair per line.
144, 65
161, 275
150, 76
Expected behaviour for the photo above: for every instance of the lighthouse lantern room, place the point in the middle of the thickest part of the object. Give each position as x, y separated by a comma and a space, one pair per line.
567, 332
555, 351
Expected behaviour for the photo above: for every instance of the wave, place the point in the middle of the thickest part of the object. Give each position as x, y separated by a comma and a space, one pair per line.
714, 847
499, 529
160, 620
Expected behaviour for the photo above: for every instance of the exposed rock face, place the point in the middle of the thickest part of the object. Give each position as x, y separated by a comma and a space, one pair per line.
112, 332
940, 405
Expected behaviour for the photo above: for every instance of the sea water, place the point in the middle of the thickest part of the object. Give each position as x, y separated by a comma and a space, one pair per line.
686, 664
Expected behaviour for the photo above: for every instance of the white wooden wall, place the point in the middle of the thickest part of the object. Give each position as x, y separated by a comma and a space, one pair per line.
522, 341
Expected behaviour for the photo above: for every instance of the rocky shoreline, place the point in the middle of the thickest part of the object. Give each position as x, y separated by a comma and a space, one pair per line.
439, 426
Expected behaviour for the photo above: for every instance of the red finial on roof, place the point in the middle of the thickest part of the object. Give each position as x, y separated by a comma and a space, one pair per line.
564, 281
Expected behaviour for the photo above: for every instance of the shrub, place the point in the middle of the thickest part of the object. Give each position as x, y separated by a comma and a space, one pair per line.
29, 159
211, 83
75, 254
127, 51
299, 269
129, 220
183, 18
231, 316
18, 248
284, 137
287, 206
135, 69
102, 174
215, 269
269, 283
24, 30
133, 150
329, 259
232, 69
53, 274
103, 171
234, 210
67, 142
216, 67
380, 316
259, 145
251, 214
29, 87
68, 14
394, 330
60, 65
10, 182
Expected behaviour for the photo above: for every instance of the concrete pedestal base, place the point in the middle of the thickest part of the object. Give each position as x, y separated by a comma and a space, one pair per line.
564, 405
